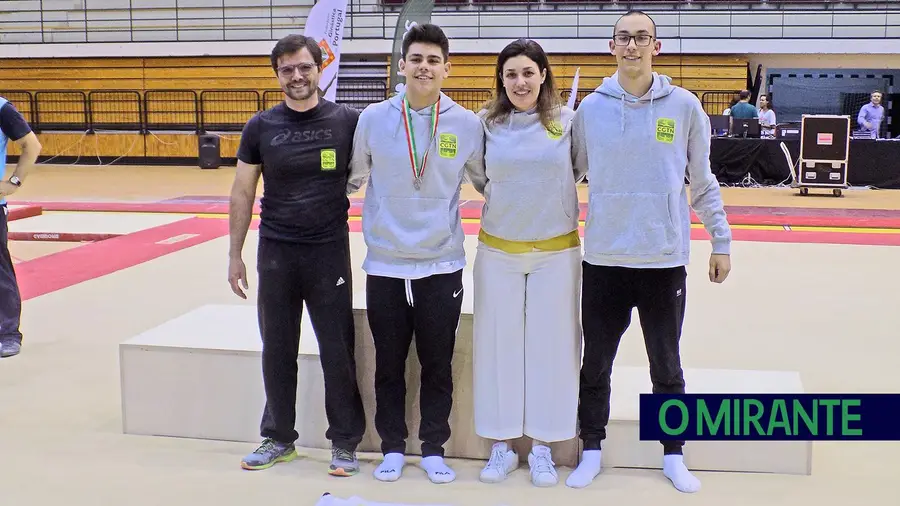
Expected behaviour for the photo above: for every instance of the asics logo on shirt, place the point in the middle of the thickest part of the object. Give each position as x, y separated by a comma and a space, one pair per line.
288, 136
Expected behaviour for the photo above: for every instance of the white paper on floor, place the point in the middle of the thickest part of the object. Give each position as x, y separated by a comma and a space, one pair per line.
330, 500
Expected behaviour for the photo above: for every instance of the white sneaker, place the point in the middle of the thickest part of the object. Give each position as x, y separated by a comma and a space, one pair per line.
543, 470
502, 462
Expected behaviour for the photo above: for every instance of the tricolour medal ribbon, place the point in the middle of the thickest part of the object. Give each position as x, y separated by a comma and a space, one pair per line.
418, 171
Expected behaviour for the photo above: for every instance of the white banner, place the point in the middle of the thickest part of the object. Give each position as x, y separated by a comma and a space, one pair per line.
325, 23
574, 94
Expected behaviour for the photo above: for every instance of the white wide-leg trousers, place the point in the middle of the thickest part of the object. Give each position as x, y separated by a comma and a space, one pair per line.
527, 344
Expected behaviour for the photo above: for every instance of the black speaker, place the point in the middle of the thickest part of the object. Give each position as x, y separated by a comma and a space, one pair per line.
209, 151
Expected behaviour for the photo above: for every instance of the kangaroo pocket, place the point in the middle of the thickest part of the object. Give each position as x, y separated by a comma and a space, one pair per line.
630, 224
527, 210
412, 227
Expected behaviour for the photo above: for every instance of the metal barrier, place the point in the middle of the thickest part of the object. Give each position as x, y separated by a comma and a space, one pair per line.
566, 93
220, 110
271, 98
359, 93
472, 99
115, 110
23, 101
715, 102
227, 110
61, 110
161, 110
171, 110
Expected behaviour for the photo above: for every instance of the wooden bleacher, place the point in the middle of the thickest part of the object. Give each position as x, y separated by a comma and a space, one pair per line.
151, 103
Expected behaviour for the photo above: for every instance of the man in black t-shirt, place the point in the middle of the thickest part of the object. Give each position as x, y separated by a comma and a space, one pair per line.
12, 126
301, 148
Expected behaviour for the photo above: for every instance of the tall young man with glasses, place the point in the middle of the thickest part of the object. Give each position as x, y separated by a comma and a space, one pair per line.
301, 148
639, 135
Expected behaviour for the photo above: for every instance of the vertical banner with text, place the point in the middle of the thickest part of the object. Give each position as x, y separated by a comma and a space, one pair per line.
325, 23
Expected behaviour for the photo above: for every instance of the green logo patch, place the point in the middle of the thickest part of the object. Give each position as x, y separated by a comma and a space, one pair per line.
329, 159
665, 130
447, 145
555, 131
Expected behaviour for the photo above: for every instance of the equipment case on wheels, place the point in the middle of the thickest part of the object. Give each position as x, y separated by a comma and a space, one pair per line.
824, 153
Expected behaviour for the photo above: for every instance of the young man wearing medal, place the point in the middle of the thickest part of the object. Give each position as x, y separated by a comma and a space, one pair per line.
414, 150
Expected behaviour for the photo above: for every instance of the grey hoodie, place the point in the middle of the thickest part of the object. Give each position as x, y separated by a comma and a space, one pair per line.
528, 180
413, 233
638, 151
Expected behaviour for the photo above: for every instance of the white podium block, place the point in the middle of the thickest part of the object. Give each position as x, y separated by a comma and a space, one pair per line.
200, 376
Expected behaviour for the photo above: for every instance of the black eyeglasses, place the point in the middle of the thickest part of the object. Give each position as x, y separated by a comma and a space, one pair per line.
642, 40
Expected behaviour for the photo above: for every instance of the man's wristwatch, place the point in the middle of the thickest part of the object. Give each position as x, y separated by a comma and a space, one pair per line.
15, 181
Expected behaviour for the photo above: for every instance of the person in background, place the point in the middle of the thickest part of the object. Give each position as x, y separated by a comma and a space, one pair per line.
766, 118
527, 333
743, 109
14, 127
727, 111
871, 115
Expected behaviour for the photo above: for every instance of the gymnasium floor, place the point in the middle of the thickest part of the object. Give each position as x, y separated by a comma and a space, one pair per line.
818, 300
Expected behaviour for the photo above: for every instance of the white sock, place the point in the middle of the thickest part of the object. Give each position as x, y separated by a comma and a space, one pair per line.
390, 468
437, 470
675, 470
586, 471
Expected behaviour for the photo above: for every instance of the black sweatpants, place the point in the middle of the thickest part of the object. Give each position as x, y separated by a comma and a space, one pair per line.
318, 274
430, 309
10, 298
608, 296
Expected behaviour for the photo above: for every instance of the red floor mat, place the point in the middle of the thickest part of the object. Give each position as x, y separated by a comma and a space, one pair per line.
24, 211
471, 209
60, 270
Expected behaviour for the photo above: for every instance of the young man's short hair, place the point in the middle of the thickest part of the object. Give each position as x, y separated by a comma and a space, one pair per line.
291, 44
635, 12
426, 34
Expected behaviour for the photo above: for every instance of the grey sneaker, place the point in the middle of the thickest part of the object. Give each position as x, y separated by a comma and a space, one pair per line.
10, 348
268, 454
343, 463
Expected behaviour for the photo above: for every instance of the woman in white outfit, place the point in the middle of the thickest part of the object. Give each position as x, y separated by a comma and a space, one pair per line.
527, 331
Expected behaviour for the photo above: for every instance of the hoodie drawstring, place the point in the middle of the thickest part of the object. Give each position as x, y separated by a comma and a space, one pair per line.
622, 110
